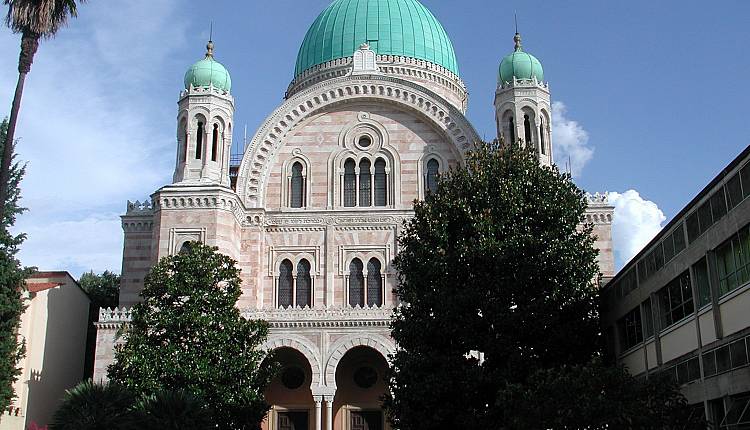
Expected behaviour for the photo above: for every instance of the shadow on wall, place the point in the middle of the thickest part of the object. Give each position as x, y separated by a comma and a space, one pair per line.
63, 359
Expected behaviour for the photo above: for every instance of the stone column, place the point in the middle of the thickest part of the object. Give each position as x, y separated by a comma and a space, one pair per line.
329, 412
318, 400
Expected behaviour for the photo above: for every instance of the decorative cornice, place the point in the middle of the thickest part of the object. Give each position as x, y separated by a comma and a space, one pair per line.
268, 139
322, 317
145, 207
114, 318
199, 197
523, 83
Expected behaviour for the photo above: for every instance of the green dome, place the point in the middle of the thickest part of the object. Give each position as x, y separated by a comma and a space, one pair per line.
391, 27
207, 72
520, 64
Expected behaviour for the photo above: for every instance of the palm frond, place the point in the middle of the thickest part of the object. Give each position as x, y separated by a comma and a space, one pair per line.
42, 17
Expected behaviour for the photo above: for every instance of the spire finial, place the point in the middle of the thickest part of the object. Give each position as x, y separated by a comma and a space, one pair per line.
210, 44
517, 37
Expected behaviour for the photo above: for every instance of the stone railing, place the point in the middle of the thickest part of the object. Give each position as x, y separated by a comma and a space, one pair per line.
533, 82
116, 315
323, 317
597, 198
140, 207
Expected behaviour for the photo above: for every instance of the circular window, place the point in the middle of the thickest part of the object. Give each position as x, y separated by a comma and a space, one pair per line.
292, 377
364, 141
365, 377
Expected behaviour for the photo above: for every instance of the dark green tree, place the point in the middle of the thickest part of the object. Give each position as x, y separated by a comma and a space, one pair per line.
12, 276
90, 406
496, 275
187, 334
174, 410
103, 290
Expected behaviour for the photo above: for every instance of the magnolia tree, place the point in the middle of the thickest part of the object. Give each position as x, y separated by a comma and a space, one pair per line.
187, 334
499, 308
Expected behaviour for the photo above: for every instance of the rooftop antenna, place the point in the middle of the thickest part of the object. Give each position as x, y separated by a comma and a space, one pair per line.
515, 17
211, 31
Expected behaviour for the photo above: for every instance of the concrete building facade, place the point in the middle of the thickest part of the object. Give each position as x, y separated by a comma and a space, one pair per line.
53, 327
681, 305
375, 111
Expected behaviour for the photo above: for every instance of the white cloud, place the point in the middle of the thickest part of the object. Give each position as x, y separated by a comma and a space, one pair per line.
96, 127
636, 222
570, 140
90, 243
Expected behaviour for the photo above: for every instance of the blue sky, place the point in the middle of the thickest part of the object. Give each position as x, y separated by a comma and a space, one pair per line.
650, 96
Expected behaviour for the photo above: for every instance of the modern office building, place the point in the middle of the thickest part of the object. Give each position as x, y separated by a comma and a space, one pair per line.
682, 305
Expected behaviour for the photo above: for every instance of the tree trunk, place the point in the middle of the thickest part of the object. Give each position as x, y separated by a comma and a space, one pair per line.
29, 45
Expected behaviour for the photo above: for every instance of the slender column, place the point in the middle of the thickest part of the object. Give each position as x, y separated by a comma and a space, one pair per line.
318, 417
329, 412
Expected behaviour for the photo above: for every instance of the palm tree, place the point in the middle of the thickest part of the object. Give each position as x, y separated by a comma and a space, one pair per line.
35, 20
90, 406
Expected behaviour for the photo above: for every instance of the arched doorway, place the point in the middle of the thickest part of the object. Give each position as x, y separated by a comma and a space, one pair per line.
360, 386
289, 394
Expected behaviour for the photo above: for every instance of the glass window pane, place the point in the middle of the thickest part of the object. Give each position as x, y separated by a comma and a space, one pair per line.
356, 283
734, 190
668, 245
679, 240
738, 353
745, 175
704, 216
693, 227
381, 183
297, 186
374, 283
304, 284
694, 369
723, 362
285, 284
682, 373
709, 364
700, 270
648, 322
365, 183
350, 184
718, 204
432, 175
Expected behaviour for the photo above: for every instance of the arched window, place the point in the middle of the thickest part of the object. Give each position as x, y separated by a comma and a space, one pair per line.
215, 143
512, 130
431, 176
297, 194
304, 284
374, 283
350, 184
365, 183
286, 285
199, 142
381, 183
527, 130
541, 137
356, 283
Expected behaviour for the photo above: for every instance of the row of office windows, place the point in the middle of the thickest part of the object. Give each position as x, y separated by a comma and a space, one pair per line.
728, 357
735, 190
364, 185
675, 300
295, 288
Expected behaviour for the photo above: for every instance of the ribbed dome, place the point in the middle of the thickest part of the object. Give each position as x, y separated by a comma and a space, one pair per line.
207, 72
520, 64
391, 27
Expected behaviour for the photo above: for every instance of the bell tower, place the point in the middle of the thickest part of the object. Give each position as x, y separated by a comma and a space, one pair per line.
522, 102
204, 125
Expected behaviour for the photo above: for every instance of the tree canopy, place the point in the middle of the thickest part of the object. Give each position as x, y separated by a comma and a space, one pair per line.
187, 334
496, 280
12, 277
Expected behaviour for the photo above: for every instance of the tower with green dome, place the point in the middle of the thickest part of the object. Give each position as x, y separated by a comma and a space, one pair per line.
204, 131
522, 102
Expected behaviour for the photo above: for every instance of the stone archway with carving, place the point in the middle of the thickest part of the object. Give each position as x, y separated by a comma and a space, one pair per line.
410, 96
304, 346
380, 343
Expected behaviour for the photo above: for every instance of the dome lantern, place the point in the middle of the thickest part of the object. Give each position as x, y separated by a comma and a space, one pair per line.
520, 65
208, 73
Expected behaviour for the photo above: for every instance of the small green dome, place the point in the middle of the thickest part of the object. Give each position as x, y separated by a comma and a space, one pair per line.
207, 72
391, 27
520, 64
